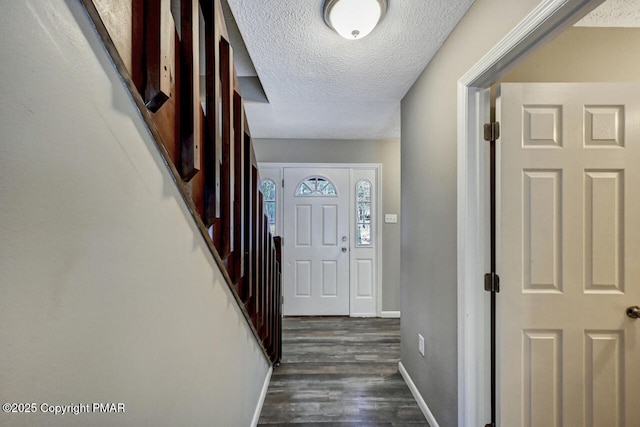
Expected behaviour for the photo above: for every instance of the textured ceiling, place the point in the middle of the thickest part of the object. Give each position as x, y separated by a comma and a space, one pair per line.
321, 86
613, 13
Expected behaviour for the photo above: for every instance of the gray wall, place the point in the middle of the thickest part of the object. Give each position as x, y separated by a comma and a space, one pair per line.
108, 291
386, 152
428, 257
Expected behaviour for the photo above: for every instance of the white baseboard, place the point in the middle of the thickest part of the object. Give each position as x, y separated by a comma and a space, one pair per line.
263, 395
390, 314
416, 395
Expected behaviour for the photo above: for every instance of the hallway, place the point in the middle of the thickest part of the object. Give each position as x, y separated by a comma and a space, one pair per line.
340, 371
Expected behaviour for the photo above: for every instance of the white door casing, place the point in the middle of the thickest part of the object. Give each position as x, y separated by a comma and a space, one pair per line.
569, 245
316, 244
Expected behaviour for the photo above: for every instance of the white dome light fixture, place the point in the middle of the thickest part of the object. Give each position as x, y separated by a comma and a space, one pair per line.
354, 19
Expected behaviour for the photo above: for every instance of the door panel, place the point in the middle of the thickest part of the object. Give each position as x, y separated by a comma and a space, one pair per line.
303, 278
542, 230
569, 245
329, 278
330, 225
543, 384
604, 236
364, 278
604, 375
303, 225
317, 231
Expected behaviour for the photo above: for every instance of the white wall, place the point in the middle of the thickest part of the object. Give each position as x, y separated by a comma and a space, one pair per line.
386, 152
429, 227
108, 291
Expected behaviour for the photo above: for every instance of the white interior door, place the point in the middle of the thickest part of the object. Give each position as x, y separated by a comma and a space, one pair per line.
316, 241
569, 255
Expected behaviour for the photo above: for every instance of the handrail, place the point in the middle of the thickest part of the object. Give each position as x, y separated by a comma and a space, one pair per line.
207, 150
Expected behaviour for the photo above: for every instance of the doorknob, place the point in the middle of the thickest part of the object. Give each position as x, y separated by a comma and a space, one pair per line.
344, 249
633, 312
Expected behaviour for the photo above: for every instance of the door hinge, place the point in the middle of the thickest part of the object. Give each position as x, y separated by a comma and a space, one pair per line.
283, 183
491, 282
491, 131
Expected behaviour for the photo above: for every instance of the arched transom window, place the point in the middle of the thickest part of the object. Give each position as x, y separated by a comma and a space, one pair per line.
316, 186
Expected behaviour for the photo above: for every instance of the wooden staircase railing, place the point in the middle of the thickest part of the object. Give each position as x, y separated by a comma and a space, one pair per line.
204, 139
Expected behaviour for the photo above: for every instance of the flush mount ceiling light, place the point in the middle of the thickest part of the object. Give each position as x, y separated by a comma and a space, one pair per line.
354, 19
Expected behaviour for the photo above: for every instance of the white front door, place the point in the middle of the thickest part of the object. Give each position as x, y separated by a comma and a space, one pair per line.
316, 241
569, 255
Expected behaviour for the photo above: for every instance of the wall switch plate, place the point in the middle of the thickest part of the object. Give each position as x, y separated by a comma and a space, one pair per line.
390, 218
421, 344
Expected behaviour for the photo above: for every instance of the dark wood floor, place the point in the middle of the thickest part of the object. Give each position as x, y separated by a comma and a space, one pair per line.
340, 371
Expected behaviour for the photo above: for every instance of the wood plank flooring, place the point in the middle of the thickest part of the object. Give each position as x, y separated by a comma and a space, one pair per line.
340, 371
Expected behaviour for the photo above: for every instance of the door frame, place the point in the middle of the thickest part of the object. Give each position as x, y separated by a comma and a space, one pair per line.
377, 216
546, 21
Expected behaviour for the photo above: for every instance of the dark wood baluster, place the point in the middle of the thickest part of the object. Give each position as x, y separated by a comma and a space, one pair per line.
265, 275
278, 300
238, 189
266, 332
270, 300
120, 25
226, 72
212, 94
190, 120
247, 229
255, 248
261, 262
274, 292
274, 299
157, 53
